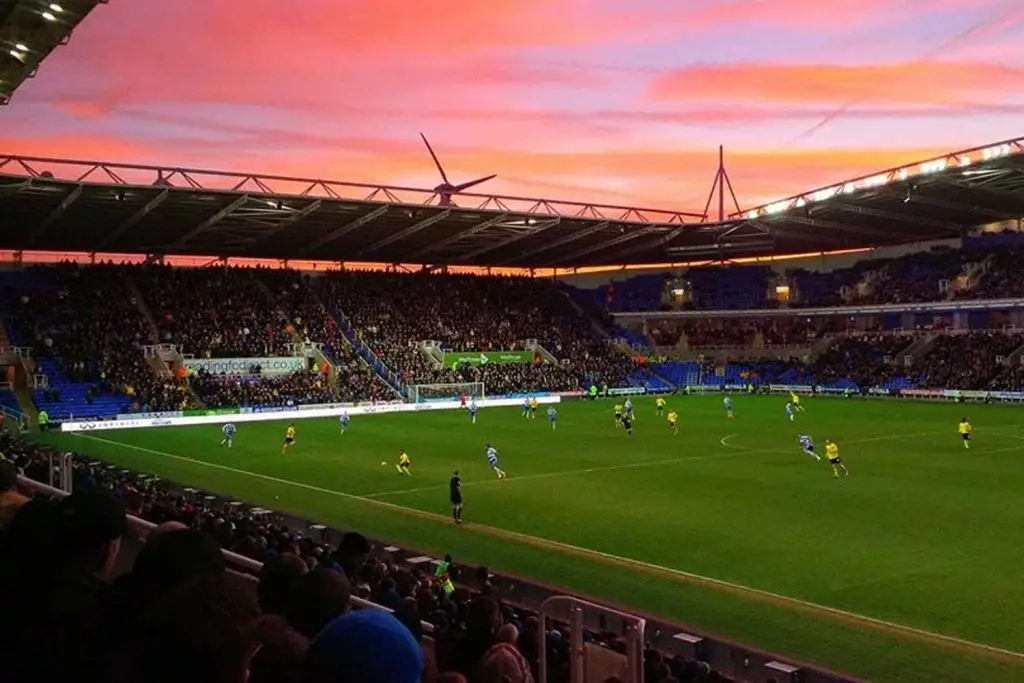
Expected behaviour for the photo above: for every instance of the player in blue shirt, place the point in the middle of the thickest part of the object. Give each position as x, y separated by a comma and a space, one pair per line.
807, 443
629, 409
526, 407
473, 409
727, 402
229, 435
552, 416
343, 421
492, 460
789, 411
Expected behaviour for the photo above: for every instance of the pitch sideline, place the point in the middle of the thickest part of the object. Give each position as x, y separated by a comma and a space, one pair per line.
887, 627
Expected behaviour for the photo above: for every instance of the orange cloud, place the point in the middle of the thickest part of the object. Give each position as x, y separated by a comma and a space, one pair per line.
907, 83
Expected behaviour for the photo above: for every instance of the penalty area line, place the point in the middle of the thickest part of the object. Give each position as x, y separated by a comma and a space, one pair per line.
843, 616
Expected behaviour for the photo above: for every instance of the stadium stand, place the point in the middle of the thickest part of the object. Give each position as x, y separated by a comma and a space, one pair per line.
213, 312
86, 333
176, 612
988, 269
91, 323
393, 314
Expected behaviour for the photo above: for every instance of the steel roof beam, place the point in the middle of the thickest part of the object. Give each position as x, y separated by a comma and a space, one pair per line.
621, 239
954, 206
451, 239
821, 222
347, 228
571, 237
57, 212
211, 221
827, 225
892, 216
982, 188
290, 220
540, 227
654, 244
135, 218
809, 237
406, 232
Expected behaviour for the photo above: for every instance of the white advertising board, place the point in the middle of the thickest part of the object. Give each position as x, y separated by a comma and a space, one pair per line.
329, 411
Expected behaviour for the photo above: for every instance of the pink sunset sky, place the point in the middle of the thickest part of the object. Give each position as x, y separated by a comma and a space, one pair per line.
622, 102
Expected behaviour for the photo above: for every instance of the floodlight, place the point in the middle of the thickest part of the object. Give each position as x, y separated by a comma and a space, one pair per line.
21, 47
17, 55
56, 8
49, 17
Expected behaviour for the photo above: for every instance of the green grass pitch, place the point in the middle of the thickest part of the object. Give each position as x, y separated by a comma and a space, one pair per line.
923, 537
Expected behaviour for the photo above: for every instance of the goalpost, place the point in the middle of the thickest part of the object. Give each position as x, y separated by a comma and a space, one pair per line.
422, 393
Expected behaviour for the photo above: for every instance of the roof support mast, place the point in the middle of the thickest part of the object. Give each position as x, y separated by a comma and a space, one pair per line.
720, 185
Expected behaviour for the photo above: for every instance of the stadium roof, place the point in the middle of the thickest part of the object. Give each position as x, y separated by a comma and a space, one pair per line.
29, 31
79, 206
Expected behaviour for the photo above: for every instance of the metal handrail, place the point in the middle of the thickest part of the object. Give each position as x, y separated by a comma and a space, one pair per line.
635, 628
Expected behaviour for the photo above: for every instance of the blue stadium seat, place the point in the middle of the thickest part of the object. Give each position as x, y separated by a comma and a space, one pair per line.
73, 403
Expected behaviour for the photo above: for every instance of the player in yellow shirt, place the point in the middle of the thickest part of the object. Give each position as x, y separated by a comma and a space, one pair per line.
659, 405
964, 428
289, 439
832, 453
403, 464
794, 398
673, 422
533, 409
620, 410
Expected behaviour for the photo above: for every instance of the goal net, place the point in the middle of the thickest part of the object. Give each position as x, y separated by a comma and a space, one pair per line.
423, 393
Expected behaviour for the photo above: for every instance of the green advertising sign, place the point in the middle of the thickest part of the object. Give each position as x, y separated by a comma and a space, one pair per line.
487, 357
195, 412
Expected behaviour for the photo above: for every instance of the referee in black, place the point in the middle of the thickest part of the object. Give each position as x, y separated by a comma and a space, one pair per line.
455, 497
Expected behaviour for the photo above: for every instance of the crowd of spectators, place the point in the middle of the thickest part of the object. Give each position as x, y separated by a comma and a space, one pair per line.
297, 388
1009, 378
936, 275
867, 360
176, 615
394, 313
294, 294
707, 333
213, 312
965, 361
88, 319
976, 360
915, 277
1001, 276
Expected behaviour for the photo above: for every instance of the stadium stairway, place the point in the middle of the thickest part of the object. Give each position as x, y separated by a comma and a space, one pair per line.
919, 348
364, 351
598, 329
649, 376
822, 345
143, 308
323, 355
1014, 359
154, 363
